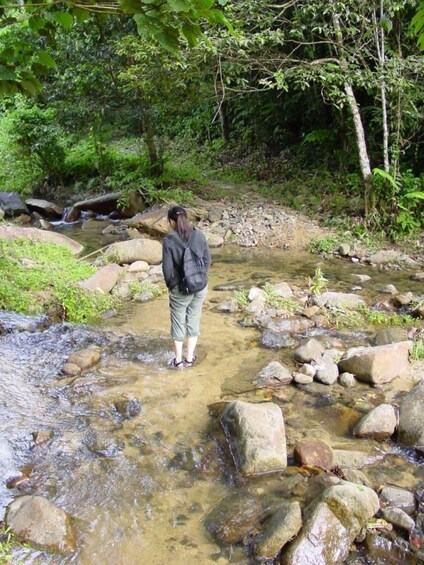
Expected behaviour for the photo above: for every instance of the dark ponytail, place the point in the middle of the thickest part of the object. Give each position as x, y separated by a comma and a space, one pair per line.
179, 215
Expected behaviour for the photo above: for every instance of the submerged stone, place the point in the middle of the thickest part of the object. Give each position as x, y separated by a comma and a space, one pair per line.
281, 528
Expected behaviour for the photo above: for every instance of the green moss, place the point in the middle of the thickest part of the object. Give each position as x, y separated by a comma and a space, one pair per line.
38, 277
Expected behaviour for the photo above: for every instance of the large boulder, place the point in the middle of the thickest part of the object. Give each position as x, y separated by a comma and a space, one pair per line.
133, 250
385, 256
377, 365
154, 222
274, 374
104, 280
257, 437
384, 336
333, 521
106, 204
379, 424
12, 205
45, 208
411, 418
339, 299
36, 521
11, 232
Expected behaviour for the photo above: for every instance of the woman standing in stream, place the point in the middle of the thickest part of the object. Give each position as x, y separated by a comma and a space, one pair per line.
183, 247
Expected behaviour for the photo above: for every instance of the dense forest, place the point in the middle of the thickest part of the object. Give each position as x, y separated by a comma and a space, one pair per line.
317, 103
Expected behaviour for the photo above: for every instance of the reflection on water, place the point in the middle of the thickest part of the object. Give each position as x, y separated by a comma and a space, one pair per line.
140, 488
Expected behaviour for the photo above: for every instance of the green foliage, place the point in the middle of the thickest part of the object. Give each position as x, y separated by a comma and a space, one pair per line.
326, 244
141, 287
49, 281
364, 316
418, 349
242, 299
318, 282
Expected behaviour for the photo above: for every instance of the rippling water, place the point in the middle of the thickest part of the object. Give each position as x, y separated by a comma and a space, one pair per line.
145, 501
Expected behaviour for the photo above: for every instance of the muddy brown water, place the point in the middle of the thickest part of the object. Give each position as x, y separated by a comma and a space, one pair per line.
142, 493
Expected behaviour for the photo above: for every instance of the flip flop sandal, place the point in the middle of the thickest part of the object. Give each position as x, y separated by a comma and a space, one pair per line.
175, 365
190, 363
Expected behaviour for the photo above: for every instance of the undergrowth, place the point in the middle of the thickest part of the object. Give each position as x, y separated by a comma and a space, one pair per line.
42, 277
364, 316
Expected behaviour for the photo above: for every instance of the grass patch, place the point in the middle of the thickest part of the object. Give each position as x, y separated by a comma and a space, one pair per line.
242, 299
40, 277
325, 245
8, 542
138, 288
418, 349
275, 301
364, 316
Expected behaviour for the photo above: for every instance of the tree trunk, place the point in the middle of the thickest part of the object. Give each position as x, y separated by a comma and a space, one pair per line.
155, 160
364, 160
223, 120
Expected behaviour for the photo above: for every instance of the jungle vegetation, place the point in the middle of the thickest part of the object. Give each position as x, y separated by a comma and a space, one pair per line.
317, 103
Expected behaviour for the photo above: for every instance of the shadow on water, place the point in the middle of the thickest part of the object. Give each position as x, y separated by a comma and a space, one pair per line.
143, 489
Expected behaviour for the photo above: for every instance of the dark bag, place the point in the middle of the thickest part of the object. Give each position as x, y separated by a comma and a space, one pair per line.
194, 272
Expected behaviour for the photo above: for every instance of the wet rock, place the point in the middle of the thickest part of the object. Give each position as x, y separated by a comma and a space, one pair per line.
293, 325
333, 521
347, 380
276, 340
379, 424
154, 222
317, 484
309, 351
399, 518
107, 204
390, 335
390, 289
234, 517
361, 279
104, 280
38, 522
256, 434
384, 257
127, 408
45, 208
101, 443
403, 299
397, 497
327, 373
310, 311
307, 369
12, 204
313, 452
339, 299
377, 365
302, 379
229, 306
45, 225
411, 417
71, 370
256, 293
85, 358
353, 459
274, 374
418, 312
10, 233
42, 436
419, 276
281, 528
133, 250
356, 476
282, 290
257, 306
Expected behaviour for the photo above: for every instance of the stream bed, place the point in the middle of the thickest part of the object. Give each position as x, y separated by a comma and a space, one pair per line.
143, 489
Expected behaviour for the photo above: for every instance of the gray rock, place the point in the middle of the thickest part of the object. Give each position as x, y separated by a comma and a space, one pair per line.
308, 369
309, 351
379, 424
256, 434
419, 276
302, 379
106, 204
138, 267
403, 299
127, 408
327, 373
339, 299
229, 306
347, 380
276, 340
384, 336
215, 213
282, 290
214, 240
38, 522
274, 374
48, 209
133, 250
377, 365
397, 497
411, 417
361, 279
284, 525
104, 280
256, 293
85, 358
11, 204
343, 249
390, 289
384, 257
399, 518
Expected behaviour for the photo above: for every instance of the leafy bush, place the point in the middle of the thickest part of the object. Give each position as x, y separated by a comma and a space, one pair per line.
326, 244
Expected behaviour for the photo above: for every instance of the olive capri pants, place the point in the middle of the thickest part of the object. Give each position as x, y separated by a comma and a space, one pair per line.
186, 310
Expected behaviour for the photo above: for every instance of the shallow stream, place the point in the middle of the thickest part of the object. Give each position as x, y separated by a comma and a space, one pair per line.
140, 489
